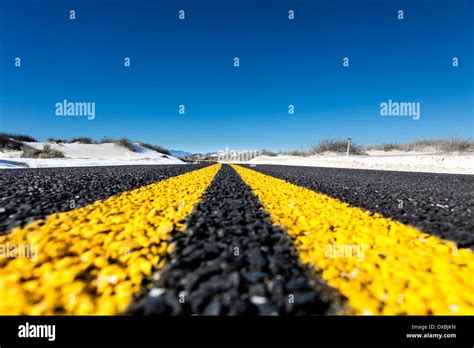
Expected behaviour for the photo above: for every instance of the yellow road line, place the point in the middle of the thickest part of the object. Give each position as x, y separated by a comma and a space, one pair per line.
91, 260
381, 266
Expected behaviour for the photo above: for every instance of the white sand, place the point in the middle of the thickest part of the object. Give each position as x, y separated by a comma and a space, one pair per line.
453, 163
81, 155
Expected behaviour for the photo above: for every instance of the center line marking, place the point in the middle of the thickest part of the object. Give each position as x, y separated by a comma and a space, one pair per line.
382, 266
93, 259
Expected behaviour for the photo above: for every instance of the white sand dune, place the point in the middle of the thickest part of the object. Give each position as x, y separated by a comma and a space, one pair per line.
83, 155
454, 163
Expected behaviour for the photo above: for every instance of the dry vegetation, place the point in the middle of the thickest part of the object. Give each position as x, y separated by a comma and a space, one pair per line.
439, 145
268, 153
124, 142
15, 142
336, 146
339, 146
156, 148
18, 137
9, 144
46, 152
82, 140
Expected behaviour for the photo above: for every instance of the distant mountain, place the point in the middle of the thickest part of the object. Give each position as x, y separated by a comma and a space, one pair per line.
179, 153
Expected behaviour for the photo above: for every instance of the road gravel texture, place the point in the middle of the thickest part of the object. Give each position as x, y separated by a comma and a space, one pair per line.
203, 243
232, 261
92, 260
30, 194
439, 204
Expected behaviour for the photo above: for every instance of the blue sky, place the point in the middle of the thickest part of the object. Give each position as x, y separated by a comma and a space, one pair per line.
283, 62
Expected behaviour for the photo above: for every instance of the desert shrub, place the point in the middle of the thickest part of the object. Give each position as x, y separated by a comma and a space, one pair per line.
442, 145
82, 140
57, 141
268, 153
457, 145
49, 152
419, 145
46, 152
18, 137
295, 153
29, 152
7, 143
124, 142
337, 146
156, 148
387, 147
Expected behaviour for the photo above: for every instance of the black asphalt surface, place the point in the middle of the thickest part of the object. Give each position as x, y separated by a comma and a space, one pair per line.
233, 261
30, 194
439, 204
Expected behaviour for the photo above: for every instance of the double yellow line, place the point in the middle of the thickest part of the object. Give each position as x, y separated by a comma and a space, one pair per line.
380, 265
92, 260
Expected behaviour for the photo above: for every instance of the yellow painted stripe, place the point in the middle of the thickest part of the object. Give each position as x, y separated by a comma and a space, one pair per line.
382, 266
92, 260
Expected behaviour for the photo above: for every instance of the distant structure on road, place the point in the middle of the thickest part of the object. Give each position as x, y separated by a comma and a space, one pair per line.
236, 155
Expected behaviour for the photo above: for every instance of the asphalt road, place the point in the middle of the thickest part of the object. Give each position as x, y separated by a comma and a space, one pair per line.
211, 240
30, 194
439, 204
233, 261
